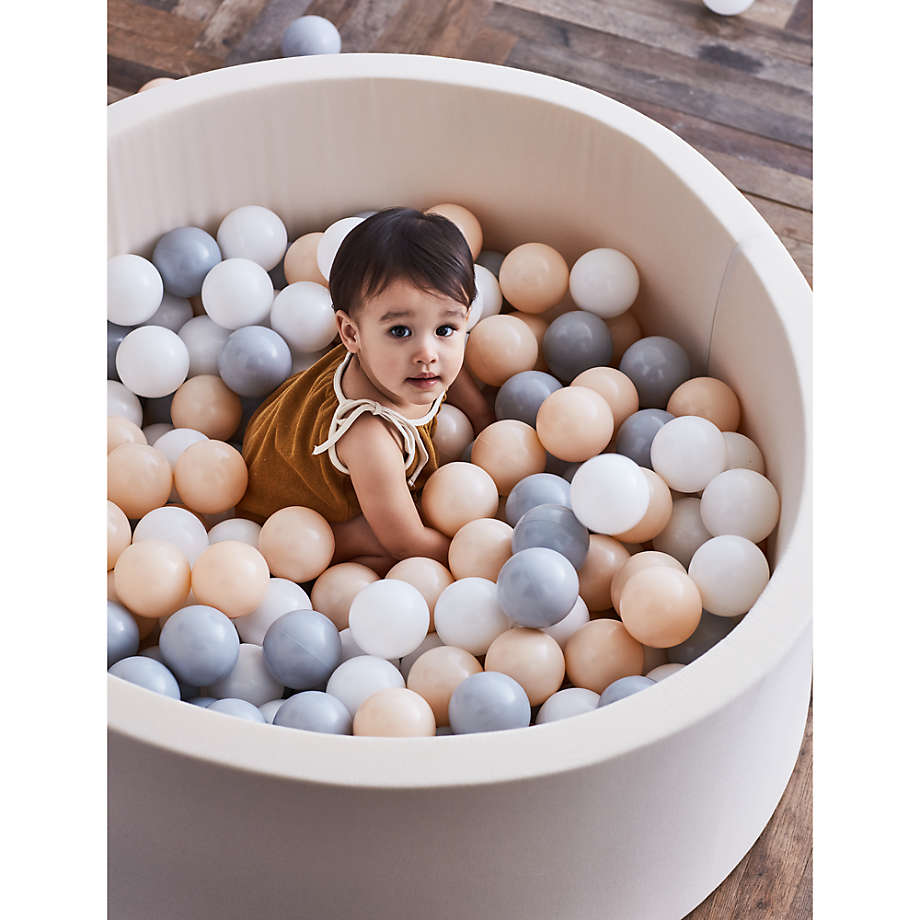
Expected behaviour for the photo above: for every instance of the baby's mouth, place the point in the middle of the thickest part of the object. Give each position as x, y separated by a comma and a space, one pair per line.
424, 380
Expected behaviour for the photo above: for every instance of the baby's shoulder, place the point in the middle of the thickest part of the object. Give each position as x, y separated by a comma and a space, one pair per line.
368, 436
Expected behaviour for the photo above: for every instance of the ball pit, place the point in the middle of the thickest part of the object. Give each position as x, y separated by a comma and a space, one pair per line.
702, 253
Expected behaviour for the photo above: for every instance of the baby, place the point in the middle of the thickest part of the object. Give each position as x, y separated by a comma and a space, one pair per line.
351, 436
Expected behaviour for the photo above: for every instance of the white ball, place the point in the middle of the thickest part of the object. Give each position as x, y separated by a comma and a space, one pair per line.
331, 240
604, 282
468, 616
688, 452
684, 533
354, 680
152, 361
249, 680
389, 618
253, 232
730, 572
176, 526
432, 640
154, 432
488, 300
270, 709
302, 314
204, 340
728, 7
281, 597
664, 670
570, 624
572, 701
121, 401
135, 289
742, 453
609, 493
173, 313
741, 502
238, 529
236, 293
351, 649
174, 442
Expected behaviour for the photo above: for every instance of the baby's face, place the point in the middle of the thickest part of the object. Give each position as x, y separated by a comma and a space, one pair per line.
411, 342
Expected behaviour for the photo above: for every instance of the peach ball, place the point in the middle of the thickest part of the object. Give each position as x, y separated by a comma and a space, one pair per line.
606, 556
435, 675
139, 479
601, 652
466, 222
509, 450
231, 576
625, 331
619, 391
297, 543
204, 402
533, 658
480, 548
708, 398
211, 476
335, 589
456, 494
152, 578
111, 592
538, 326
122, 430
428, 576
637, 563
156, 81
499, 347
660, 607
654, 658
534, 277
300, 260
658, 514
395, 712
574, 423
119, 533
452, 434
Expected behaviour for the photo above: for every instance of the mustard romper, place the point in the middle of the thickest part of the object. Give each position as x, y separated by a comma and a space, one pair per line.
289, 444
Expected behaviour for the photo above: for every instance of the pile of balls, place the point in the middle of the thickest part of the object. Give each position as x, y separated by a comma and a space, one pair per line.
606, 530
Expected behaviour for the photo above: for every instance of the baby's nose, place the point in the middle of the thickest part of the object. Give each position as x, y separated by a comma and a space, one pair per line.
426, 352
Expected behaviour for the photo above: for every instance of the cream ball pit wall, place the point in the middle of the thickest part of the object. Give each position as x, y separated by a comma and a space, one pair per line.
636, 810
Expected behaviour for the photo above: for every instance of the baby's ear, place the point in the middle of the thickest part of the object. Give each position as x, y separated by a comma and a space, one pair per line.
348, 330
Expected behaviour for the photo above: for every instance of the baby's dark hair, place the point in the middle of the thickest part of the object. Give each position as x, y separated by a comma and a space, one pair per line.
396, 244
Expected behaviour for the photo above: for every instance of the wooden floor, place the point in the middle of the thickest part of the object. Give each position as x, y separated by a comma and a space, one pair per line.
737, 88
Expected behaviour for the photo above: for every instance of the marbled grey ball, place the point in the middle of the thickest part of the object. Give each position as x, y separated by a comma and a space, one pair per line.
115, 334
315, 711
488, 702
521, 396
564, 468
183, 257
492, 260
254, 361
634, 437
124, 636
657, 366
625, 686
241, 709
576, 341
186, 691
157, 409
302, 649
147, 672
533, 490
310, 35
200, 645
711, 629
279, 281
537, 587
555, 527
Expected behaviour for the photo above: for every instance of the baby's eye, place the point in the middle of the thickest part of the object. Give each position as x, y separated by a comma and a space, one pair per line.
446, 331
400, 332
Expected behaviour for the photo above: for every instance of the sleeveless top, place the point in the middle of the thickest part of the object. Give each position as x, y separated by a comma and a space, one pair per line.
290, 444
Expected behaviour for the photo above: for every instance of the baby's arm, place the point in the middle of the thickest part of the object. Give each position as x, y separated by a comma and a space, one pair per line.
378, 475
467, 397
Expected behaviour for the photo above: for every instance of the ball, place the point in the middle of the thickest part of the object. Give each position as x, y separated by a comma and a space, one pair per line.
466, 222
239, 709
711, 629
488, 299
231, 576
685, 531
254, 361
394, 712
122, 402
730, 572
521, 396
708, 398
301, 649
388, 618
574, 423
664, 670
658, 514
453, 434
199, 645
728, 7
742, 453
456, 494
250, 679
300, 260
533, 277
601, 652
336, 587
606, 556
314, 711
660, 606
625, 686
538, 489
619, 391
480, 548
509, 451
204, 340
329, 243
687, 453
740, 502
253, 232
119, 533
135, 289
310, 35
184, 257
638, 563
556, 528
530, 656
573, 701
537, 587
211, 476
609, 494
657, 366
355, 679
570, 623
172, 313
139, 479
147, 673
281, 597
123, 637
297, 543
488, 702
499, 347
205, 403
575, 342
605, 282
237, 292
436, 673
174, 525
304, 316
635, 435
427, 576
468, 615
625, 331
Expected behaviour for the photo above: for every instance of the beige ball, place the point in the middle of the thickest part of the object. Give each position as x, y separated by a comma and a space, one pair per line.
395, 712
619, 391
480, 548
204, 402
636, 564
456, 494
122, 430
538, 326
658, 514
211, 476
428, 576
111, 592
465, 220
660, 607
435, 675
452, 434
231, 576
139, 479
654, 658
152, 578
119, 533
300, 260
606, 556
297, 543
574, 423
625, 330
708, 398
508, 450
156, 81
534, 277
530, 656
499, 347
601, 652
335, 589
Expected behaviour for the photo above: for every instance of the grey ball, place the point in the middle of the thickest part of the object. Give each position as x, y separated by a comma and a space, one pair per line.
657, 366
186, 691
488, 702
302, 648
576, 341
625, 686
147, 672
183, 257
157, 409
115, 334
310, 35
241, 709
203, 701
254, 361
634, 437
315, 711
563, 468
492, 260
124, 636
711, 629
533, 490
200, 644
521, 396
537, 587
555, 527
